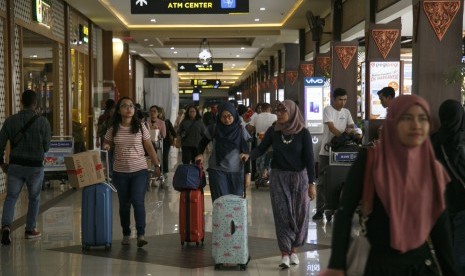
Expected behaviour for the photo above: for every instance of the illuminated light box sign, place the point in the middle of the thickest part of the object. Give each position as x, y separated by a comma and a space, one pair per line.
382, 74
314, 103
42, 12
206, 83
83, 34
198, 67
189, 7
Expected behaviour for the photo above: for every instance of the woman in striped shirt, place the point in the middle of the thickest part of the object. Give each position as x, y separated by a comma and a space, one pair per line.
130, 137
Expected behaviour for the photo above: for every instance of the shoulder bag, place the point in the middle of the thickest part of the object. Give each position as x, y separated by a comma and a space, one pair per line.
20, 134
452, 169
359, 248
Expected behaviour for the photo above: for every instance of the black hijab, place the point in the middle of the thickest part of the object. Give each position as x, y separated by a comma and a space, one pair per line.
452, 117
228, 137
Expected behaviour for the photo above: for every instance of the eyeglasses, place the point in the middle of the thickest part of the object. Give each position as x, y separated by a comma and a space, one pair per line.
281, 109
126, 106
226, 116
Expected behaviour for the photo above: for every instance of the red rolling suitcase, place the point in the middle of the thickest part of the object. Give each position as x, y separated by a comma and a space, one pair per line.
191, 219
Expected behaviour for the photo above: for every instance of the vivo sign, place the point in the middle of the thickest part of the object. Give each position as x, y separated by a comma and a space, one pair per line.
314, 81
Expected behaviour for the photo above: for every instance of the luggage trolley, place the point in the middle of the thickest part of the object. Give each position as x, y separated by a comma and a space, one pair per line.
336, 174
54, 160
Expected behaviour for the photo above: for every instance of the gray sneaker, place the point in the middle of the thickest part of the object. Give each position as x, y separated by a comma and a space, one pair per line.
141, 241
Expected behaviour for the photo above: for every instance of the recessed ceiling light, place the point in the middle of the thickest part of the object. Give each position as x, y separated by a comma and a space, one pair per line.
151, 45
257, 19
172, 48
153, 20
146, 39
175, 52
238, 56
234, 64
262, 8
242, 48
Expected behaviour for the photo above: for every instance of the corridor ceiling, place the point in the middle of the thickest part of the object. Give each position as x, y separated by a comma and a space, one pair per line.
236, 40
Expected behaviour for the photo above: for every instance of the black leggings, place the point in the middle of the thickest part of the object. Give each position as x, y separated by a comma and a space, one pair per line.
188, 154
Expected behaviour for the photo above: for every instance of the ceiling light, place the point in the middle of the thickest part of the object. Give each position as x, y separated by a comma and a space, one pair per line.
242, 48
172, 48
133, 51
238, 56
175, 52
151, 45
257, 19
205, 54
146, 39
153, 20
262, 8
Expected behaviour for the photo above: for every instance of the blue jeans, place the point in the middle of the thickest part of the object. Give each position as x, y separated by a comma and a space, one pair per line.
225, 183
131, 190
17, 176
458, 236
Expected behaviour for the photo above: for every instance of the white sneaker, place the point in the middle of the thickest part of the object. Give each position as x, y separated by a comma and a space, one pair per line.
294, 259
284, 262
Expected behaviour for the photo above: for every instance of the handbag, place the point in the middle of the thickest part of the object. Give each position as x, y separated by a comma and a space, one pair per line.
359, 248
189, 177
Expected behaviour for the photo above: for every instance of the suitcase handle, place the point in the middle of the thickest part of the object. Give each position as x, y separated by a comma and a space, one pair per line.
233, 227
113, 188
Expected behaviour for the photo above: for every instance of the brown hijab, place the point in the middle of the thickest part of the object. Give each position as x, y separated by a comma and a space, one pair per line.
409, 181
296, 121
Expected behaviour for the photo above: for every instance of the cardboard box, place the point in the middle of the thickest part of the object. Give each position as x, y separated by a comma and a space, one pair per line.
84, 169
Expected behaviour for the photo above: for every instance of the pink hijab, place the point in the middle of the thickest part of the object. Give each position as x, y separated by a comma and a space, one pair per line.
296, 121
409, 181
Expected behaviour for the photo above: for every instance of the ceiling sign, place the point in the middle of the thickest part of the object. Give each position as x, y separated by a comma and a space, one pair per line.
206, 83
198, 67
189, 6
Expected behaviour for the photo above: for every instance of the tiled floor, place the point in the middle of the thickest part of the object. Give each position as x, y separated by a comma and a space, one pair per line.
61, 226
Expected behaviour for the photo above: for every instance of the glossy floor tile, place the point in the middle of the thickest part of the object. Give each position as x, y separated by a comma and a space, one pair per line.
60, 224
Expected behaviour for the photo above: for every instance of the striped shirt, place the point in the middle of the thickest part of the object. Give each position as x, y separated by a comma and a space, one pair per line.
129, 150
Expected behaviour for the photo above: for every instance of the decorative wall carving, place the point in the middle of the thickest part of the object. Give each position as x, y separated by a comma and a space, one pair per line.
307, 69
440, 14
291, 76
345, 54
325, 64
385, 39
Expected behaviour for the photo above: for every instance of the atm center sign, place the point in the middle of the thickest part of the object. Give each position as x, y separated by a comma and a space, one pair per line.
189, 6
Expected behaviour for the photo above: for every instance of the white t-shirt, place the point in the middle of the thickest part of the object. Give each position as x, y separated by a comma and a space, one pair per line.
341, 119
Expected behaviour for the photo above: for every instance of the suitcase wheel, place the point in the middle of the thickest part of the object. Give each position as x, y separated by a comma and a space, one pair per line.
218, 266
85, 247
182, 243
108, 247
243, 266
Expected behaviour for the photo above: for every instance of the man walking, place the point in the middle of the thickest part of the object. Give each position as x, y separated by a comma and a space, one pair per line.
337, 120
29, 135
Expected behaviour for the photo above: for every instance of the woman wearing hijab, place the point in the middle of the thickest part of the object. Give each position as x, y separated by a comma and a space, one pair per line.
291, 179
225, 168
451, 137
406, 204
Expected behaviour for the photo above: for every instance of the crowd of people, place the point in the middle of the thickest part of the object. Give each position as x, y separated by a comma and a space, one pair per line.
409, 184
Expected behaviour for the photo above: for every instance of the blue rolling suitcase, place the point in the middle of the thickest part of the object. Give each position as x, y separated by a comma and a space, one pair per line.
97, 222
229, 237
